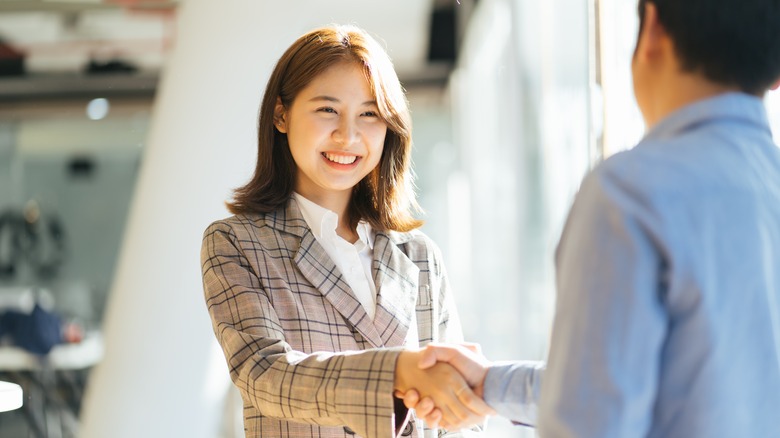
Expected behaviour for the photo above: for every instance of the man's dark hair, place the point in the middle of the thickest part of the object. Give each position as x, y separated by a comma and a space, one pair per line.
732, 42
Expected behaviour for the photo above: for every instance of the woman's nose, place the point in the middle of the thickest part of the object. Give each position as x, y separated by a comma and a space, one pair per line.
346, 132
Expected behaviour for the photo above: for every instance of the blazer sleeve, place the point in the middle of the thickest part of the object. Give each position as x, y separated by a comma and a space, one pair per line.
437, 315
330, 389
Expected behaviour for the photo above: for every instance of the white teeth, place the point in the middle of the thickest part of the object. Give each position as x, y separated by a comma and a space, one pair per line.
341, 159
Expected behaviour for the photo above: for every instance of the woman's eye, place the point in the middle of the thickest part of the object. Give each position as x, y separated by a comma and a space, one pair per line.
371, 114
327, 109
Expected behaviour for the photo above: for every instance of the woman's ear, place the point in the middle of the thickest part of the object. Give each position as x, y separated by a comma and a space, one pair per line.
776, 85
280, 116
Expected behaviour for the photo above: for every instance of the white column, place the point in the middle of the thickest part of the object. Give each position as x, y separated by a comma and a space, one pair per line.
163, 374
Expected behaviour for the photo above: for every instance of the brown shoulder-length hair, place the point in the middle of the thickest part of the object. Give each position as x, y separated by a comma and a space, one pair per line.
385, 197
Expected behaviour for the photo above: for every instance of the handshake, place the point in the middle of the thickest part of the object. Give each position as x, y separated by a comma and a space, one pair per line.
444, 384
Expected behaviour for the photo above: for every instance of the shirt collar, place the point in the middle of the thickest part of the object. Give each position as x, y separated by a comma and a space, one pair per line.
323, 222
733, 105
365, 234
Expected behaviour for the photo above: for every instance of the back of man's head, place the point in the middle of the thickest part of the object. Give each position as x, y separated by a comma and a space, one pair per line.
731, 42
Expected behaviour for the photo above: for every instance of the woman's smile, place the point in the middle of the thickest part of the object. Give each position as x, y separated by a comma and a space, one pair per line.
340, 159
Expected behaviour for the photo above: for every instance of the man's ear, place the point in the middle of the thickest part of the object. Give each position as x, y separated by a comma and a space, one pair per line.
280, 116
776, 85
653, 37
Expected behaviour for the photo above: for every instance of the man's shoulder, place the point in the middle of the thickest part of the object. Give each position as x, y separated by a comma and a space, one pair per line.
661, 165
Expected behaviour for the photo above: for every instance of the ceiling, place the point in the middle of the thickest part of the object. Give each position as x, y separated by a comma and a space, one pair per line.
62, 36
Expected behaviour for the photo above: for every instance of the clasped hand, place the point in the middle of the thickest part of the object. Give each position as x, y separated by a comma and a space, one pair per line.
444, 385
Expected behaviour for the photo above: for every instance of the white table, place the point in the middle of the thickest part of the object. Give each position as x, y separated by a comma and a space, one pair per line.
10, 396
41, 377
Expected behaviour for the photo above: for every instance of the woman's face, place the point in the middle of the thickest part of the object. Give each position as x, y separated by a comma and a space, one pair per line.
334, 131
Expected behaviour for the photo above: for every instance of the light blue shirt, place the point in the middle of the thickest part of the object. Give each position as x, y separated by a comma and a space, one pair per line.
667, 321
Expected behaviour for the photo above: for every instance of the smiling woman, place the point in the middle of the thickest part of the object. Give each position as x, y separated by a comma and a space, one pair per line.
322, 269
309, 75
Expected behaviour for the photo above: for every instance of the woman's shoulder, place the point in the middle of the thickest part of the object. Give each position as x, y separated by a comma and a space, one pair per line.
235, 223
414, 240
286, 221
240, 219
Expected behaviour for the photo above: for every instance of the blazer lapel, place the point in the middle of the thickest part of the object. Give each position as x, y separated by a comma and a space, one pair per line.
315, 264
322, 273
397, 278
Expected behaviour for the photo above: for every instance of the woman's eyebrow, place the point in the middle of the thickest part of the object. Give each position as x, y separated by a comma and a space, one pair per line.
325, 98
335, 100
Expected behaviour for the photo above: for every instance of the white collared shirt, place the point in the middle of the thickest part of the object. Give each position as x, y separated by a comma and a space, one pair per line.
352, 259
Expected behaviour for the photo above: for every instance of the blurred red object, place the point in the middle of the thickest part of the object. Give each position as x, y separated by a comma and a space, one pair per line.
72, 333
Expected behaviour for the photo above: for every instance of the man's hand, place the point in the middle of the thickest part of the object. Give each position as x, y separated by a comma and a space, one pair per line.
443, 385
469, 362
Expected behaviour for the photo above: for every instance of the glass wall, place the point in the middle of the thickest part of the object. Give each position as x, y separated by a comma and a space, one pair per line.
522, 140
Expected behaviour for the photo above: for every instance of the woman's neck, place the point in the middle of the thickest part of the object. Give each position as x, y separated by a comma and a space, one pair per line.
345, 232
339, 204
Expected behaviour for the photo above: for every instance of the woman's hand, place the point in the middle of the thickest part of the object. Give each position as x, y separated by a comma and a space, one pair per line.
445, 388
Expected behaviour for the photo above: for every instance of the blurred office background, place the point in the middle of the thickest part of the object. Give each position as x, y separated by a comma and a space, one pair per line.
124, 125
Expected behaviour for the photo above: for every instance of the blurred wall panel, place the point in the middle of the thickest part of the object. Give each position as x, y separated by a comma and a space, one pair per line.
522, 118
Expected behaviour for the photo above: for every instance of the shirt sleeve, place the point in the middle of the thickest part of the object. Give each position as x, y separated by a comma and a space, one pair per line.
512, 389
330, 389
610, 324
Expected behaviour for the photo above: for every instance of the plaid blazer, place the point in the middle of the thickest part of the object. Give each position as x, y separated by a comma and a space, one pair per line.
299, 346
